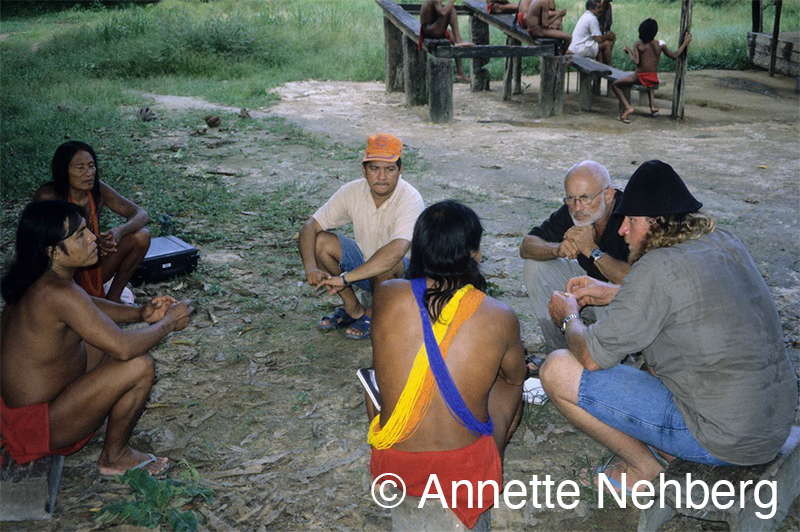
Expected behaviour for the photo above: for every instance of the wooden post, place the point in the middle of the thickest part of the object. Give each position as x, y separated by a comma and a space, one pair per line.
551, 88
440, 86
508, 72
479, 33
679, 91
517, 71
758, 14
394, 56
776, 30
414, 73
585, 91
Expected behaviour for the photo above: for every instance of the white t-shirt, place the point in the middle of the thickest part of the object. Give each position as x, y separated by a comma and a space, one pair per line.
587, 27
373, 227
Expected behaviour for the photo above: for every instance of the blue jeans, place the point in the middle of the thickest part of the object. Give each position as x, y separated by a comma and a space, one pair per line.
352, 258
638, 404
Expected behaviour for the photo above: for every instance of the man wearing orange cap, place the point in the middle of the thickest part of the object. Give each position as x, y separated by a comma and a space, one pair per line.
383, 209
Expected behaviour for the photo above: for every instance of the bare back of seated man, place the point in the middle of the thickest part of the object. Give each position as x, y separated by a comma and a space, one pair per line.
484, 359
434, 18
458, 424
67, 366
539, 21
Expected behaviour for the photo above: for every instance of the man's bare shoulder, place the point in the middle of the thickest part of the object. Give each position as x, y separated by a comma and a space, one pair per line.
499, 311
54, 292
390, 294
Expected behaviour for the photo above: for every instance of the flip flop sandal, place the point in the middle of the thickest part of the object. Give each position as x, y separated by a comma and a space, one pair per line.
624, 120
144, 463
340, 318
592, 474
655, 114
537, 361
362, 325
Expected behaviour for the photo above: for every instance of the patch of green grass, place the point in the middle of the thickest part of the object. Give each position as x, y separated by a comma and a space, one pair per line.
155, 503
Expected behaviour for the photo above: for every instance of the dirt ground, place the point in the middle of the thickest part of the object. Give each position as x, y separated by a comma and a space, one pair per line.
268, 408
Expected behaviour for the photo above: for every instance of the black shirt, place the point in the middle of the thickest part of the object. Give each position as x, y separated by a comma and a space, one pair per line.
553, 229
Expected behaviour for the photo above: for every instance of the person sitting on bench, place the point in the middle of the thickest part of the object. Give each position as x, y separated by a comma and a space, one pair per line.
434, 18
587, 40
539, 22
721, 389
645, 55
76, 178
556, 16
449, 365
606, 20
67, 366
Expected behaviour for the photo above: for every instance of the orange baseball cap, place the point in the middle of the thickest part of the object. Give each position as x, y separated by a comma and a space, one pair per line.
383, 147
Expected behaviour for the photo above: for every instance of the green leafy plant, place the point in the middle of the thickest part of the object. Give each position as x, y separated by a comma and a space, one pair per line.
157, 502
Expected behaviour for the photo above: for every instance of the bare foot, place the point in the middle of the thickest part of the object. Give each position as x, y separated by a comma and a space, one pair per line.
463, 77
130, 459
625, 117
464, 43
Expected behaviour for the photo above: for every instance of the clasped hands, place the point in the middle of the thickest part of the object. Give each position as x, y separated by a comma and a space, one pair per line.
577, 240
319, 279
107, 241
160, 306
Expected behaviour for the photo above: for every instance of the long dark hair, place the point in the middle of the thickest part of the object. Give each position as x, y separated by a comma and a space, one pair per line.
41, 227
446, 236
59, 167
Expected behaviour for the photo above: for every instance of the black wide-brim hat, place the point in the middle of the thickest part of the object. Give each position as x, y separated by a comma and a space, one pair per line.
655, 189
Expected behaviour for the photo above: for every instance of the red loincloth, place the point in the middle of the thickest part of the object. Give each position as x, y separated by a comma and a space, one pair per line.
422, 38
648, 79
476, 462
25, 433
521, 20
91, 277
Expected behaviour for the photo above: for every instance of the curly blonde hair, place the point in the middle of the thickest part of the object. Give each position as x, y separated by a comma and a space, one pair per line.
669, 230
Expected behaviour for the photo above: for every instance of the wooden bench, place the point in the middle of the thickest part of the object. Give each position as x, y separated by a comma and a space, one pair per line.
426, 76
590, 70
784, 471
552, 66
28, 492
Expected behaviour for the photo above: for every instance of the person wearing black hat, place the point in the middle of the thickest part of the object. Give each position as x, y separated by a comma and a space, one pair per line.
721, 389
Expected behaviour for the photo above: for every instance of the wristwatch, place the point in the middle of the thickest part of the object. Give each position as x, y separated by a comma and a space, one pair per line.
596, 254
567, 320
344, 279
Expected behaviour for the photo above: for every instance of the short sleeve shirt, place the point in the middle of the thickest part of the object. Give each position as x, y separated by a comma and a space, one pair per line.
704, 319
373, 227
553, 229
587, 27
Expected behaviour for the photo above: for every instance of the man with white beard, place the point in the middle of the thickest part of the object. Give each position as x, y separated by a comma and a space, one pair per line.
580, 238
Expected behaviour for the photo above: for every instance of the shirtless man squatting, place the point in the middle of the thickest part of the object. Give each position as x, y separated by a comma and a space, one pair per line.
67, 366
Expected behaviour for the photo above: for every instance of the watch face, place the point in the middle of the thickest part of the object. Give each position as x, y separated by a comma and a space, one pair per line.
597, 253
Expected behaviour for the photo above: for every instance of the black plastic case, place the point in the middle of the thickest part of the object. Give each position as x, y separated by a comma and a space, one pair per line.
168, 256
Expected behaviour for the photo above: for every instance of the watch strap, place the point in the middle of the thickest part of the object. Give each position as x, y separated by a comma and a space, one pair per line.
567, 320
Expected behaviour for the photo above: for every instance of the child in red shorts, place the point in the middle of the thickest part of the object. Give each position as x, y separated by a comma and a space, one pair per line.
645, 55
